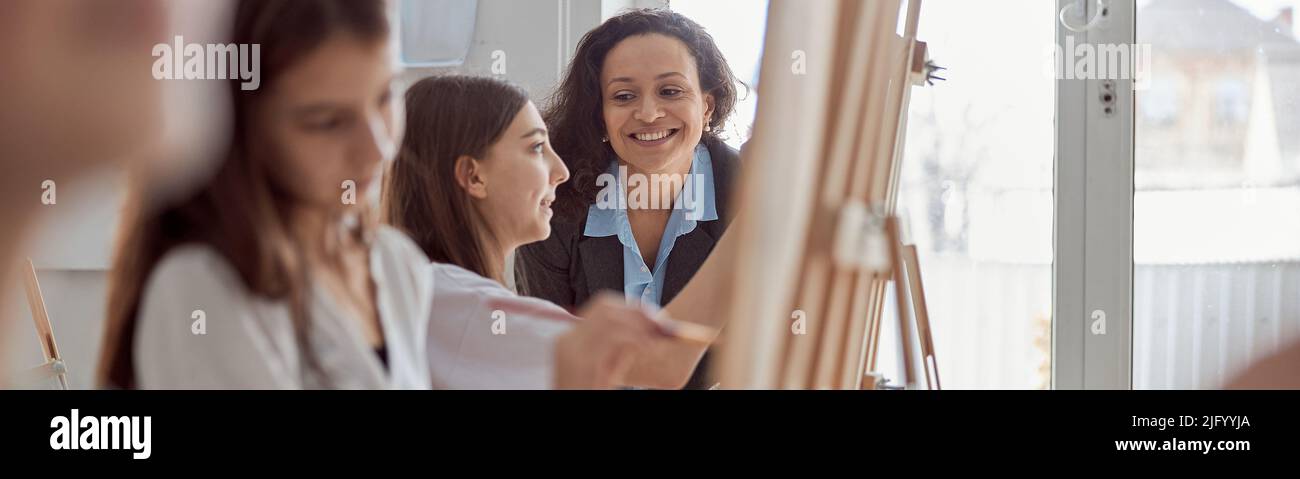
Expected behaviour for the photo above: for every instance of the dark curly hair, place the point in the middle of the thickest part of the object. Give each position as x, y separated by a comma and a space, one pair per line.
574, 112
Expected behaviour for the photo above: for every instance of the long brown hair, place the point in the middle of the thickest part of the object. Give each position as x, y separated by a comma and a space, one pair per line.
239, 212
575, 114
447, 117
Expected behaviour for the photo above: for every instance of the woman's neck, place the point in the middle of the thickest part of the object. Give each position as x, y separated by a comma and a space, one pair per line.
495, 253
322, 234
679, 171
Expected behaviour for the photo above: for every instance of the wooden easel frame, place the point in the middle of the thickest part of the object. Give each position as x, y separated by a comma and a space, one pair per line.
843, 119
53, 366
921, 314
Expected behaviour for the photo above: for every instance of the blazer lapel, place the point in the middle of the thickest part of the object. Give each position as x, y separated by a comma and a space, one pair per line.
602, 264
689, 253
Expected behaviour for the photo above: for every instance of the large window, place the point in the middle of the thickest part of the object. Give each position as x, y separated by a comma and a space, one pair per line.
1066, 230
976, 192
1216, 226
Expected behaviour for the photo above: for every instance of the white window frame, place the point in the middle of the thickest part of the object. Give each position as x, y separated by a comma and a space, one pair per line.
1093, 228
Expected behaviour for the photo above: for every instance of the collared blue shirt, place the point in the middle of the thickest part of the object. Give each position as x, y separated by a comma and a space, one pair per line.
693, 204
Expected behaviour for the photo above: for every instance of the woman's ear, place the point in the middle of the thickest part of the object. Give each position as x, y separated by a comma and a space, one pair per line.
469, 175
708, 108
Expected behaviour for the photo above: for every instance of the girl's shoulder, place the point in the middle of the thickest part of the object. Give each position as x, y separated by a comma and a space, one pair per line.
391, 243
450, 279
193, 267
402, 268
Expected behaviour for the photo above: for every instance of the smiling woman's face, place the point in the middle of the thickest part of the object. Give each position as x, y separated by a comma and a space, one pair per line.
654, 108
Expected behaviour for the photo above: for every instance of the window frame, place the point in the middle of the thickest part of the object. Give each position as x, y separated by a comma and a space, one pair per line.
1092, 269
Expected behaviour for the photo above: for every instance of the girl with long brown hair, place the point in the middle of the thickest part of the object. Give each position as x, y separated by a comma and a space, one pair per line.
265, 277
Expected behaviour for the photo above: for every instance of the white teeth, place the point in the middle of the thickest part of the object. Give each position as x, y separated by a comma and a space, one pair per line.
653, 136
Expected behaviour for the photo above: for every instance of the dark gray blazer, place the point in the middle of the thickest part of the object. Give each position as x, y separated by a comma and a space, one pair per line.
568, 268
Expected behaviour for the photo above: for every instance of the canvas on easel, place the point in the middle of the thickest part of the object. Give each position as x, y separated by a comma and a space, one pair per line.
821, 176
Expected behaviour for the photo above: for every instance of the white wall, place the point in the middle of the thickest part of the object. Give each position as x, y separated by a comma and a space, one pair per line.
536, 37
71, 250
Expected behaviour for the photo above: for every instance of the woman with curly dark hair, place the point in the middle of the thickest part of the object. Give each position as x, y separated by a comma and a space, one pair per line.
636, 120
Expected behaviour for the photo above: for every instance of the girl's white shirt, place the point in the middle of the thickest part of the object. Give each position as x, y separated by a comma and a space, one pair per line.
200, 328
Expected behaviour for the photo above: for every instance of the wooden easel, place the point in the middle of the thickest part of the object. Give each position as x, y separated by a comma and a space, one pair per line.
836, 81
922, 315
53, 366
907, 261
